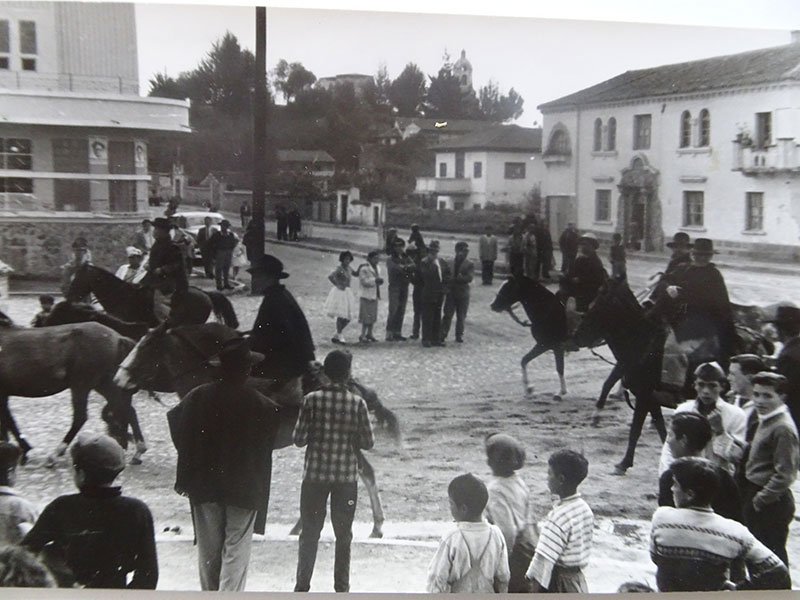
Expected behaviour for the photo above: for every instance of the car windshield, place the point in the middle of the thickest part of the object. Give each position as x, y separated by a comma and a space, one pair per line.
195, 221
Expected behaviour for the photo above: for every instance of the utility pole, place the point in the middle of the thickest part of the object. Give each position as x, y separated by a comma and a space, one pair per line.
259, 141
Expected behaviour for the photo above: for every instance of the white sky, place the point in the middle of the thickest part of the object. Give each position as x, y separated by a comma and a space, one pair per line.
542, 58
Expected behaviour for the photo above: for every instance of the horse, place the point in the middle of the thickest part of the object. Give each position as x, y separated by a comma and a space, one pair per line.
40, 362
66, 312
177, 360
546, 318
133, 303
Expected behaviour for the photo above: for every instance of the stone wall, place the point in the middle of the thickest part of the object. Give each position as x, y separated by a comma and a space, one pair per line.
36, 248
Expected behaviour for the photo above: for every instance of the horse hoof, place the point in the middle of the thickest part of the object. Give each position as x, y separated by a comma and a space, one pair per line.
556, 398
619, 470
50, 462
61, 450
376, 533
23, 460
141, 448
136, 460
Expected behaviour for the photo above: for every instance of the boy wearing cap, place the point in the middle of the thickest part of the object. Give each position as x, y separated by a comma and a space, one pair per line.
771, 466
728, 422
17, 515
224, 433
333, 425
102, 535
132, 272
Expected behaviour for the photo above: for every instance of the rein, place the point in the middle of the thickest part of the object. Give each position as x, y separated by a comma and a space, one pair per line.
601, 357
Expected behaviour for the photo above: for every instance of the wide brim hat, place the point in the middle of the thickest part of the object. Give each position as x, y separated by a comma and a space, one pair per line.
786, 315
236, 352
162, 223
680, 239
270, 265
589, 238
703, 246
225, 223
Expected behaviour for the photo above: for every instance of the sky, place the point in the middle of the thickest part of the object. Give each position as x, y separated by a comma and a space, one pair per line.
541, 58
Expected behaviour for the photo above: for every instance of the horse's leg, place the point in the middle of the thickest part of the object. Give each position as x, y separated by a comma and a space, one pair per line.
613, 377
367, 474
7, 423
537, 350
80, 414
657, 418
640, 410
558, 352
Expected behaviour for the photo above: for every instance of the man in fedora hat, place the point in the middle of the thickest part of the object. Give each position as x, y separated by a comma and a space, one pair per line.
224, 434
281, 333
587, 274
166, 271
787, 322
681, 247
81, 255
434, 274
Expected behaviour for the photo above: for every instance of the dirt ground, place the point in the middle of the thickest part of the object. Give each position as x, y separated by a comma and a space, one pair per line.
447, 401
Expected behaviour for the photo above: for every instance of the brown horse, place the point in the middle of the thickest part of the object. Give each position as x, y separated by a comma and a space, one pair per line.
65, 312
35, 363
177, 360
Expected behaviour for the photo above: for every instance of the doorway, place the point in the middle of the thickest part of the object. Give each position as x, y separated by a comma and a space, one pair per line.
343, 208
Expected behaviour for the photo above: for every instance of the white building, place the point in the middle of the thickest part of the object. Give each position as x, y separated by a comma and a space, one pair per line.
709, 147
73, 129
499, 164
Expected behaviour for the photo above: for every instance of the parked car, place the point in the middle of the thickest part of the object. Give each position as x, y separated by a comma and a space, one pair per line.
195, 221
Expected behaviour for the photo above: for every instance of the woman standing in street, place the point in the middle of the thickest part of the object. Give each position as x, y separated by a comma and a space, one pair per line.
341, 303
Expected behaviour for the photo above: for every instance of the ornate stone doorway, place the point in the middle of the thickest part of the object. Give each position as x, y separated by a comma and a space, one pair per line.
639, 215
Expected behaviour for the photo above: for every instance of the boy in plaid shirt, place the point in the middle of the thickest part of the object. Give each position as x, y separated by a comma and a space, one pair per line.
334, 424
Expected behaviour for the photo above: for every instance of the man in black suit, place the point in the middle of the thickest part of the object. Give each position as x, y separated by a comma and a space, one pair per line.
434, 274
457, 299
207, 253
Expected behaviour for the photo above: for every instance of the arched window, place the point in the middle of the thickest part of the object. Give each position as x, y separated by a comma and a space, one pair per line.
686, 130
597, 143
612, 134
705, 128
559, 143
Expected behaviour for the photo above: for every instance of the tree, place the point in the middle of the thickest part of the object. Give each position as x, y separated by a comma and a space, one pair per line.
383, 85
225, 79
499, 108
292, 78
446, 99
407, 92
164, 86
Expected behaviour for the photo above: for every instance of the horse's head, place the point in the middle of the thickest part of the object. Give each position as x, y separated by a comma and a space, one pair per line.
612, 308
81, 285
140, 369
67, 312
508, 295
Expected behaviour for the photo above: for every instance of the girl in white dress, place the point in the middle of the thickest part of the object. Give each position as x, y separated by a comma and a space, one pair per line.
341, 303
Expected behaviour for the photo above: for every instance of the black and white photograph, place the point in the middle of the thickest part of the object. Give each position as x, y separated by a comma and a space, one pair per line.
368, 300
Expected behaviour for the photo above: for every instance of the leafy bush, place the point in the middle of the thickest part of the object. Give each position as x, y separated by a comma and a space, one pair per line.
462, 221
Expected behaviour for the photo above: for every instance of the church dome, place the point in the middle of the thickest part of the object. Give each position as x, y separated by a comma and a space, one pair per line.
463, 63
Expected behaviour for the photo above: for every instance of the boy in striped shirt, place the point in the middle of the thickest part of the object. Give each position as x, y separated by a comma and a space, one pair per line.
565, 536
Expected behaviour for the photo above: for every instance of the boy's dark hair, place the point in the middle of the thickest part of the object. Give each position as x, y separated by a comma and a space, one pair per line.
696, 475
634, 587
46, 299
694, 427
337, 364
769, 379
467, 490
750, 364
373, 254
572, 466
20, 568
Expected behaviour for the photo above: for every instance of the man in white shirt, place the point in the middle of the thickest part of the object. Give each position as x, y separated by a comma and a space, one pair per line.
728, 422
133, 272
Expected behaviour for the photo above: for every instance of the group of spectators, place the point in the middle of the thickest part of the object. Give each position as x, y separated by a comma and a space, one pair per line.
289, 223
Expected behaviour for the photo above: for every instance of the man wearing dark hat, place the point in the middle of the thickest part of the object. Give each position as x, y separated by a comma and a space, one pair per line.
281, 333
681, 247
787, 322
400, 271
81, 255
166, 271
587, 274
456, 301
206, 252
221, 244
434, 275
224, 433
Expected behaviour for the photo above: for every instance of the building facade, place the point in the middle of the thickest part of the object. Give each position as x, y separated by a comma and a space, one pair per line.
708, 147
500, 164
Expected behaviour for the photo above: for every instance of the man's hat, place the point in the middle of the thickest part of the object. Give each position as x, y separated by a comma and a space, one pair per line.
270, 265
98, 452
786, 315
236, 353
224, 223
80, 243
133, 251
589, 238
703, 246
680, 239
434, 245
505, 450
162, 223
710, 371
9, 456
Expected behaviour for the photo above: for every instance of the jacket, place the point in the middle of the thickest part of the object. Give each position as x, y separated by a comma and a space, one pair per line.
586, 277
458, 284
433, 286
203, 238
487, 248
168, 257
369, 288
399, 270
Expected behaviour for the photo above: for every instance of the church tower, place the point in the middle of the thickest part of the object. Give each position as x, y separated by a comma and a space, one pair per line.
462, 69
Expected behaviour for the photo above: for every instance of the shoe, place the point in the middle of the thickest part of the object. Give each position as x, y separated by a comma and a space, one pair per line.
459, 340
371, 339
337, 340
426, 344
362, 340
391, 338
400, 338
441, 344
414, 336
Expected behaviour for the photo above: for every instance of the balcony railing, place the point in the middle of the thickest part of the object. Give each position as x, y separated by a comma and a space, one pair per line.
66, 82
780, 157
442, 185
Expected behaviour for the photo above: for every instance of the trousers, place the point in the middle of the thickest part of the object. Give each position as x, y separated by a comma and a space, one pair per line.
398, 298
222, 267
487, 272
416, 303
313, 501
432, 320
455, 304
770, 526
224, 540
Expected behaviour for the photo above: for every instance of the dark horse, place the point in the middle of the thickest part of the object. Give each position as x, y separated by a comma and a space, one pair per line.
546, 318
35, 363
65, 312
177, 360
135, 304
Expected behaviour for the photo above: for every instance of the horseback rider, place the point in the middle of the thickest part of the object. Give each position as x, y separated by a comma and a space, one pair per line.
281, 333
133, 271
166, 271
81, 255
587, 274
681, 247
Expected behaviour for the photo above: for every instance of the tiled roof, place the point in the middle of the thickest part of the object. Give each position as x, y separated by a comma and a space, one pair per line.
444, 125
308, 156
767, 65
497, 137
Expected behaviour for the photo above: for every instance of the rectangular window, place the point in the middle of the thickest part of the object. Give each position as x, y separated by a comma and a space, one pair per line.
71, 155
28, 64
4, 63
442, 169
458, 205
763, 129
16, 153
5, 41
641, 132
477, 170
514, 170
754, 217
602, 205
692, 209
27, 37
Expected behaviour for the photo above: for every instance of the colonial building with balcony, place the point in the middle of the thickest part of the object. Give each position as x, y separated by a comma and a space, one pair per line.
73, 129
709, 147
498, 164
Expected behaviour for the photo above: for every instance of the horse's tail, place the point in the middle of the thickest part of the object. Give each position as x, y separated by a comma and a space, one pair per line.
385, 417
223, 309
